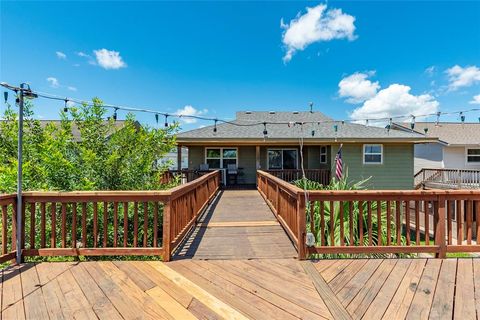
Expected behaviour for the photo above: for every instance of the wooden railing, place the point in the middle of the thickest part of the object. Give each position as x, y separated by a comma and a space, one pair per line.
184, 175
8, 204
375, 222
319, 175
288, 204
106, 222
448, 178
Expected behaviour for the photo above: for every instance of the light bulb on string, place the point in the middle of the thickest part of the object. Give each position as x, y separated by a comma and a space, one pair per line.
313, 133
265, 132
437, 123
115, 114
366, 122
412, 123
389, 125
215, 126
65, 107
166, 120
425, 130
462, 117
156, 118
5, 96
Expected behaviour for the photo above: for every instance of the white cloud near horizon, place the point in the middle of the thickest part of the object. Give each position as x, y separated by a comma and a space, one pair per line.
109, 59
393, 101
475, 99
317, 24
459, 77
357, 88
430, 70
53, 82
189, 110
60, 55
72, 88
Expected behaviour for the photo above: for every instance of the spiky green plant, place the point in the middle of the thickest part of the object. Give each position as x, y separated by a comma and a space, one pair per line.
322, 229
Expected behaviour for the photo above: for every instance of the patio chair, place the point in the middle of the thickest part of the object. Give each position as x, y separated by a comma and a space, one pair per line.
204, 167
232, 173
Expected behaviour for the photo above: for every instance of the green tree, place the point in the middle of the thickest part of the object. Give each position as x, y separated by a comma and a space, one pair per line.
102, 156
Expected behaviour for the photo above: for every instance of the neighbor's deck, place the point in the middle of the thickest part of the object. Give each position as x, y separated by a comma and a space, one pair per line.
257, 289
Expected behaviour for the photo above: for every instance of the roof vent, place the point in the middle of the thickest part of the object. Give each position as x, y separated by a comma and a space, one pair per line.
248, 112
272, 112
295, 112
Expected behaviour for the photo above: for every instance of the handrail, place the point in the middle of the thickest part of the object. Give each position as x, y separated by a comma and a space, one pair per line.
59, 223
448, 178
350, 221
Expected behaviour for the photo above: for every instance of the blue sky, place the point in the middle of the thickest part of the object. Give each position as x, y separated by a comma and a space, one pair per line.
370, 59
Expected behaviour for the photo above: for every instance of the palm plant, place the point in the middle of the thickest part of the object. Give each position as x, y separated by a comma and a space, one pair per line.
344, 221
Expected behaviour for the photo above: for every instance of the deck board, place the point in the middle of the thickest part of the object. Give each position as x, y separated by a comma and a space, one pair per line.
241, 289
231, 230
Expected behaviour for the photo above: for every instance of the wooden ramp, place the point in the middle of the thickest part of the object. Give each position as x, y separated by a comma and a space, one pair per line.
238, 225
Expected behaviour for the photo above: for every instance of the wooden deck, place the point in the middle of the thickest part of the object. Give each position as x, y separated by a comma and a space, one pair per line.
232, 230
255, 289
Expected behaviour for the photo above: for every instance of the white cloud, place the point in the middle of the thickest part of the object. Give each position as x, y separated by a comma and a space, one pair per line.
462, 77
430, 70
61, 55
72, 88
476, 99
357, 88
190, 111
317, 24
109, 59
83, 54
54, 83
396, 100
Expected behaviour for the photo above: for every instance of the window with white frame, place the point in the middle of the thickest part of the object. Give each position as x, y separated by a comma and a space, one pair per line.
217, 158
372, 154
282, 159
473, 155
323, 154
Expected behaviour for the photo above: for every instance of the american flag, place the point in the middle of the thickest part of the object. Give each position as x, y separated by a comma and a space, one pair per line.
339, 164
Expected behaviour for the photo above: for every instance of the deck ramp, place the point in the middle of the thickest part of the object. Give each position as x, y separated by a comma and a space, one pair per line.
238, 225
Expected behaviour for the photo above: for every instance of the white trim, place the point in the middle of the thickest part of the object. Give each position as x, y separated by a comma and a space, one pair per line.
326, 154
468, 163
381, 154
221, 155
282, 149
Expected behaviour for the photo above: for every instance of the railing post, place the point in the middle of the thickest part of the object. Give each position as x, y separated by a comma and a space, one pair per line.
301, 223
167, 231
440, 227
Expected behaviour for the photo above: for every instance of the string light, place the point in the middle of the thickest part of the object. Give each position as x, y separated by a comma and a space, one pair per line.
244, 122
215, 126
265, 132
115, 114
65, 107
313, 133
437, 123
389, 125
412, 123
425, 130
166, 120
462, 117
5, 96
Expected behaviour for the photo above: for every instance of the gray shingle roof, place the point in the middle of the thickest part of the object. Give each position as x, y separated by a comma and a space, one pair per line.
452, 133
284, 131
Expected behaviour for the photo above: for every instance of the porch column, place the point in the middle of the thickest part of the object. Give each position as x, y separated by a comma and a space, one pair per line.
257, 157
179, 157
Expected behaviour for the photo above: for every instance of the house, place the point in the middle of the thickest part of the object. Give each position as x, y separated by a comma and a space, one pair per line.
172, 159
384, 155
458, 146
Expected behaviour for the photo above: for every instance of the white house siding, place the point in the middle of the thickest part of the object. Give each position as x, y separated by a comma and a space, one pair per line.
455, 158
428, 155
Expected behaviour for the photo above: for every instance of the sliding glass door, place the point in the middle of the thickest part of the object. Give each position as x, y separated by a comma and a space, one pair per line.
279, 159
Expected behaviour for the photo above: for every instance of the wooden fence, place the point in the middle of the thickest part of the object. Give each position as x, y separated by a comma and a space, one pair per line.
105, 222
375, 222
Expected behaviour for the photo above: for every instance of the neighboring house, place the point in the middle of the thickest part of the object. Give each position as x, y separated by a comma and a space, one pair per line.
385, 155
172, 159
458, 146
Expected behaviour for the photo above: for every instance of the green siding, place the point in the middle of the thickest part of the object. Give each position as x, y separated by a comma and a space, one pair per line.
396, 172
196, 156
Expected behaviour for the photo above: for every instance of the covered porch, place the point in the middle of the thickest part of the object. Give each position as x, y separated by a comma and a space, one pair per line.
283, 161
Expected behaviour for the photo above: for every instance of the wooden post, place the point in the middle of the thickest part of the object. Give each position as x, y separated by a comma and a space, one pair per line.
257, 157
166, 231
301, 217
440, 227
179, 157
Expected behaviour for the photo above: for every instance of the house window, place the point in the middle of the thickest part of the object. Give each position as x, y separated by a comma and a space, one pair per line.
323, 154
282, 159
473, 156
372, 154
217, 158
